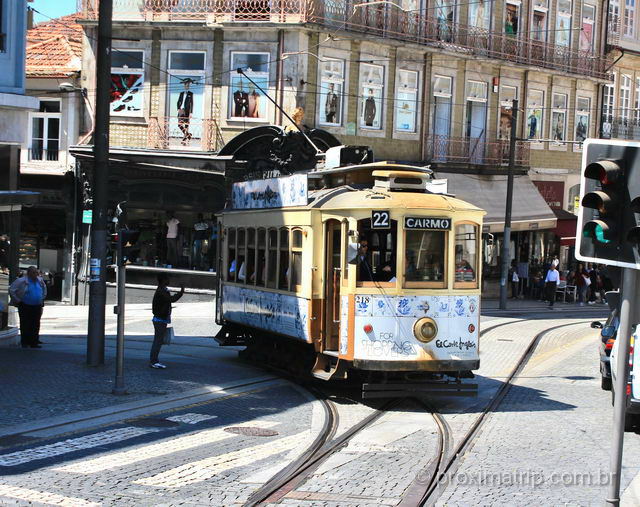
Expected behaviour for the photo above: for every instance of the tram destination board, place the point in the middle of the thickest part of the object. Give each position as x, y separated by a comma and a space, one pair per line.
427, 223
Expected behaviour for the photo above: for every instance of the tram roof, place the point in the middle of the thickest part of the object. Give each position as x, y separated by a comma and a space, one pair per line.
372, 166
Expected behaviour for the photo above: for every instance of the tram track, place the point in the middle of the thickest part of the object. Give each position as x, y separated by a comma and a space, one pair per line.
433, 479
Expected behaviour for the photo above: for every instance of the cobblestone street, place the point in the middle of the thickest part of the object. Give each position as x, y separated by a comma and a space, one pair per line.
210, 429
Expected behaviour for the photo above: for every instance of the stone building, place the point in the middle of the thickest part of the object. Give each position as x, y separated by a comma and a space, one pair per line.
418, 81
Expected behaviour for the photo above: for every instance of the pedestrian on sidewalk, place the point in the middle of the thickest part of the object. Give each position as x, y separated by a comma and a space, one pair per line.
161, 306
28, 293
551, 283
582, 283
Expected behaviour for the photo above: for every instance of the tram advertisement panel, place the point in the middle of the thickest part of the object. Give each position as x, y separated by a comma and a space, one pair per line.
393, 318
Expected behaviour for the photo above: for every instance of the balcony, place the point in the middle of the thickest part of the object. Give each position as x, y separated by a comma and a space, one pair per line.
168, 133
381, 20
474, 151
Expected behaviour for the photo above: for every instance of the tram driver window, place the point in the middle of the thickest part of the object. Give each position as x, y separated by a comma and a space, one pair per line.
425, 259
376, 259
296, 258
284, 272
231, 255
466, 254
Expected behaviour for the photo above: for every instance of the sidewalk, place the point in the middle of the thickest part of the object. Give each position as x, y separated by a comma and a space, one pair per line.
492, 306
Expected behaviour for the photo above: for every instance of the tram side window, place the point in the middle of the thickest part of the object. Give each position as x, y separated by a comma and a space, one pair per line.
261, 266
241, 275
466, 254
296, 258
250, 272
231, 255
425, 258
272, 268
285, 275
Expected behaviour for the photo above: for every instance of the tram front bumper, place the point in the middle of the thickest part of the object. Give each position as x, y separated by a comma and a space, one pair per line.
434, 365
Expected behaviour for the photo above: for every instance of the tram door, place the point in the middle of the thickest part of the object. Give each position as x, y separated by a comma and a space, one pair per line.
332, 278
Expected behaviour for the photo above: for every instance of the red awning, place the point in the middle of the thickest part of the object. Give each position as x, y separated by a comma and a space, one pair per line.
566, 228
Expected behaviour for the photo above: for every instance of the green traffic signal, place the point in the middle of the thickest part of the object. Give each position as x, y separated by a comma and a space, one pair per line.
598, 230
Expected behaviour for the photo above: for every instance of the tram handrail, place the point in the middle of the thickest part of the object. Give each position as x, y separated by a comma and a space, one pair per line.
135, 267
336, 294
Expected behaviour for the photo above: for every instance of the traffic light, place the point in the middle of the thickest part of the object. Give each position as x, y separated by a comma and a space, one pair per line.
608, 228
126, 244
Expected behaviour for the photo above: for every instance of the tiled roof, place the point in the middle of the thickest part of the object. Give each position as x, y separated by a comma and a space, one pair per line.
54, 48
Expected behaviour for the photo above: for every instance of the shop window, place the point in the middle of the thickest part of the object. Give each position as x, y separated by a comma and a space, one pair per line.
127, 83
44, 143
241, 256
535, 112
261, 260
331, 92
563, 23
466, 255
284, 273
272, 260
251, 256
247, 102
583, 116
371, 94
406, 107
231, 255
376, 259
296, 259
559, 117
425, 259
185, 98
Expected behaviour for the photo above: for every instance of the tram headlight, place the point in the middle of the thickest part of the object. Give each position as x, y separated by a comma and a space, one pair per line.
425, 329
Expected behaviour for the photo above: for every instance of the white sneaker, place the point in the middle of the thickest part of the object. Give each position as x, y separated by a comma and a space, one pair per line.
592, 302
580, 304
158, 366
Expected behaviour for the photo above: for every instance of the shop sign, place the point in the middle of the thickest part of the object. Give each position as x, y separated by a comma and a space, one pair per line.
534, 225
270, 193
552, 192
427, 223
87, 216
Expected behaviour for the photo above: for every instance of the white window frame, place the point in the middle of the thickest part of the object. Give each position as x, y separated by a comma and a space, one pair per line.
476, 98
625, 97
559, 110
45, 129
590, 21
545, 29
518, 5
252, 74
507, 104
131, 70
331, 80
531, 105
415, 91
629, 22
442, 92
581, 113
568, 18
636, 105
364, 87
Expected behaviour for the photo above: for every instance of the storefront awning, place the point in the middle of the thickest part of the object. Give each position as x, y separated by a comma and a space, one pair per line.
10, 198
529, 211
566, 228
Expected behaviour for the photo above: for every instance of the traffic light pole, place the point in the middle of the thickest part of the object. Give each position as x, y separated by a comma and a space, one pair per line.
118, 388
97, 280
629, 293
506, 240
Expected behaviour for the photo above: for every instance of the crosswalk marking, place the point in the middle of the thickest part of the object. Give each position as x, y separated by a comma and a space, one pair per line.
31, 495
204, 469
155, 450
74, 444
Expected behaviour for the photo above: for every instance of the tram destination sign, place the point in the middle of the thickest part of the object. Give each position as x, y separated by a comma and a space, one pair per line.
427, 223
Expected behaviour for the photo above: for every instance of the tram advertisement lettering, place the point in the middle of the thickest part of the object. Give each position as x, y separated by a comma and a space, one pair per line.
456, 344
427, 223
380, 219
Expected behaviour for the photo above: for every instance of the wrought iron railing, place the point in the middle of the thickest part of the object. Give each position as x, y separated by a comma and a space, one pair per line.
168, 133
382, 19
475, 151
43, 155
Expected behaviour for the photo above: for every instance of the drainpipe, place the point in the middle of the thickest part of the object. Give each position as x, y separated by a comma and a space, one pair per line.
279, 73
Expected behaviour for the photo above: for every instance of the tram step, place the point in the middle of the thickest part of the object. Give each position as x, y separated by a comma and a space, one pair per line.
327, 368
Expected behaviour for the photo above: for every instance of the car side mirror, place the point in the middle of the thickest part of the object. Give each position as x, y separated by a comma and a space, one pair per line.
596, 325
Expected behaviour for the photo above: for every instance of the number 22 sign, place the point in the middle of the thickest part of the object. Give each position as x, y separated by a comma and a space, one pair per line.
380, 220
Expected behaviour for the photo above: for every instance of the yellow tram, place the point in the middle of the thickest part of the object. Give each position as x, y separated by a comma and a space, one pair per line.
358, 269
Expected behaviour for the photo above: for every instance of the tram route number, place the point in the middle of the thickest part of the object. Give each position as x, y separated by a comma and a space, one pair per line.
380, 219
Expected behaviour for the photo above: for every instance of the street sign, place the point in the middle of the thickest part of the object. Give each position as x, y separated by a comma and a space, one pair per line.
87, 216
608, 229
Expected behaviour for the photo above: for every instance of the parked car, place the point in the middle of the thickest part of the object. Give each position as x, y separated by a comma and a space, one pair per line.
633, 388
607, 338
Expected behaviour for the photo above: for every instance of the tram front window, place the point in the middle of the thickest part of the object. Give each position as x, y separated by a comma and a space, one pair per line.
425, 258
376, 259
466, 255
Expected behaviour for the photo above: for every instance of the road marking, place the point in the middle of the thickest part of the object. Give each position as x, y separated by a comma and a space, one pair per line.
191, 418
156, 450
31, 495
73, 444
204, 469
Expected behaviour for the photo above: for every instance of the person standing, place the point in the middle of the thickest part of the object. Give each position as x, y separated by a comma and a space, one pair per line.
185, 108
199, 236
370, 109
28, 293
551, 283
331, 105
161, 307
172, 240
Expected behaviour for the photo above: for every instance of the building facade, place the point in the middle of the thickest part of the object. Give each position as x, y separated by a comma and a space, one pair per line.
424, 82
14, 109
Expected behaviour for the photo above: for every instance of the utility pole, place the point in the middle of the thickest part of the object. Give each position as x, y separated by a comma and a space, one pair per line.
97, 280
506, 240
